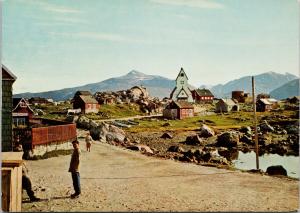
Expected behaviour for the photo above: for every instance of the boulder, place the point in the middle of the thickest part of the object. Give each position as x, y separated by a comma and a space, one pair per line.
246, 139
246, 129
193, 140
141, 148
93, 124
276, 170
206, 131
166, 124
266, 127
292, 129
72, 118
176, 149
167, 135
228, 139
107, 133
83, 122
219, 160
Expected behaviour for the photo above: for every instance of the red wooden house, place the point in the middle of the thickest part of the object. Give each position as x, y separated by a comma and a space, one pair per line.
178, 110
86, 102
21, 112
202, 96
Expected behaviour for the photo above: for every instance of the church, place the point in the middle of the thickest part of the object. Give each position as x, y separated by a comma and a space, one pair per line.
182, 92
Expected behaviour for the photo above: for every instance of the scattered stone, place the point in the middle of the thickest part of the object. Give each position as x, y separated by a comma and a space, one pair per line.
176, 149
167, 135
142, 148
246, 139
72, 118
292, 129
166, 124
266, 127
228, 139
206, 131
193, 140
247, 130
276, 170
83, 122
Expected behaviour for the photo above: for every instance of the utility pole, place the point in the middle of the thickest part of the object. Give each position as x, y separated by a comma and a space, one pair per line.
255, 122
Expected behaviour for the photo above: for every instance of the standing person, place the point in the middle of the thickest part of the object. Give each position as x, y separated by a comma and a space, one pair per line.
26, 184
88, 140
74, 169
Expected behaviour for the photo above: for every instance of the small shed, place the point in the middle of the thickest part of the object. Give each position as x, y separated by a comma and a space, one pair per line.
227, 105
266, 104
21, 112
86, 102
202, 96
178, 110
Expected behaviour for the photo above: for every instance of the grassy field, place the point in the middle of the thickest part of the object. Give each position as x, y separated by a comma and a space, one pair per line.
105, 111
232, 120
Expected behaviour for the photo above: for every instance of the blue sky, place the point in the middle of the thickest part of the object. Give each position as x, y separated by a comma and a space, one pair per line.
54, 44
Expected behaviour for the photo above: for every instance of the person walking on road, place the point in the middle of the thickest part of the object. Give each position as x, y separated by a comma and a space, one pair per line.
74, 169
88, 140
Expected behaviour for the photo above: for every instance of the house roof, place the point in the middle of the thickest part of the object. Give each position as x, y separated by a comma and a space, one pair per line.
7, 74
184, 104
181, 70
268, 101
88, 99
228, 101
203, 92
17, 102
83, 93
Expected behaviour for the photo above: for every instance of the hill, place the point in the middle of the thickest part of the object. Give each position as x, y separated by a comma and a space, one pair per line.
156, 85
264, 83
287, 90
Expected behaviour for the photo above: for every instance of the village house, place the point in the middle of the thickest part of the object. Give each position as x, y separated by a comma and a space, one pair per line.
202, 96
241, 96
178, 110
182, 92
21, 112
226, 105
38, 101
86, 102
8, 78
262, 95
266, 104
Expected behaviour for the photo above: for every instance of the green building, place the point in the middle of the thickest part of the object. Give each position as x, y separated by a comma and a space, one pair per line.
8, 78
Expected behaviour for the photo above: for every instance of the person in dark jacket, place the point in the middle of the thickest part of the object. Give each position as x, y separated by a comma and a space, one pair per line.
26, 184
74, 169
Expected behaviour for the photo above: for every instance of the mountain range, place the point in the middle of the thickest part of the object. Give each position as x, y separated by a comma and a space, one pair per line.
161, 87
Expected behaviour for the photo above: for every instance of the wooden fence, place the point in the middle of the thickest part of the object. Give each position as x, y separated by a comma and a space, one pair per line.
31, 137
46, 135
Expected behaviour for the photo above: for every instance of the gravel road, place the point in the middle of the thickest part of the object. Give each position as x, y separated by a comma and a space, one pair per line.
115, 179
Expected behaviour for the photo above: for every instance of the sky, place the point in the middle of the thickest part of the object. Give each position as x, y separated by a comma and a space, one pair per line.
55, 44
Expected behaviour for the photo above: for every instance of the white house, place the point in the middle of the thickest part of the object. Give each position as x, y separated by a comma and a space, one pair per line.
181, 92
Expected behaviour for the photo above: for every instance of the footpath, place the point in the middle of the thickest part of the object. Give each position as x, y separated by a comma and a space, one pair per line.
115, 179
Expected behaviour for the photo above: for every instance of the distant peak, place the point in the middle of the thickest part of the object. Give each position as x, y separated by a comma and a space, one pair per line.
135, 72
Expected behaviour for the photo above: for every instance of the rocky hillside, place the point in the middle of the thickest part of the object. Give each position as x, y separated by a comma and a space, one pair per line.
264, 83
287, 90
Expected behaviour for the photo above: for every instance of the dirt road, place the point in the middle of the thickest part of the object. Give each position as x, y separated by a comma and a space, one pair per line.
114, 179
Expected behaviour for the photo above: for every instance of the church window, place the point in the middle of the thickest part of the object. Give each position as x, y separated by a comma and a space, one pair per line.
181, 82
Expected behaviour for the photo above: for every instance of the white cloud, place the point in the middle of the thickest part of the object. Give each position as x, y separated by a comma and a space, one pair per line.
208, 4
98, 36
51, 7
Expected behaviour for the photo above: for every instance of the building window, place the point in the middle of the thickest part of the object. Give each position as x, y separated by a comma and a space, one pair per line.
181, 82
19, 121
